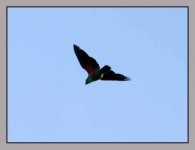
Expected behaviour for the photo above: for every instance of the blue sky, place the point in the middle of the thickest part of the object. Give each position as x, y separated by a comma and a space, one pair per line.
48, 100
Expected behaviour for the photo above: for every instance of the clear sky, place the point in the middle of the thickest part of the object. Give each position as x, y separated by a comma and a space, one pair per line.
48, 100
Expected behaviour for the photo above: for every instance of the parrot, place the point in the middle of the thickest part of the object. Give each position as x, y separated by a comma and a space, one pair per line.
93, 69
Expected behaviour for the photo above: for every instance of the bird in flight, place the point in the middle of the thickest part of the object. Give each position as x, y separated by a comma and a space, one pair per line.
93, 69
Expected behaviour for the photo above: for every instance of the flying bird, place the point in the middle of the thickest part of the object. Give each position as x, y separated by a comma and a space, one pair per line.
93, 69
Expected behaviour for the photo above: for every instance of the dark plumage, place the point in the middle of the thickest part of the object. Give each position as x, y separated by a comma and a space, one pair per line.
93, 69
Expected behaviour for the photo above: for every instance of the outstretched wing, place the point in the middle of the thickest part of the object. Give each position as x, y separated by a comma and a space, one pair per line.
111, 75
88, 63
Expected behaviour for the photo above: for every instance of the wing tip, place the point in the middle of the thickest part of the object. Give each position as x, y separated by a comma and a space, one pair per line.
127, 79
75, 46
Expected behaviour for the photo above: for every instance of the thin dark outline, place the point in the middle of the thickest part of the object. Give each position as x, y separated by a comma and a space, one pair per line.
188, 133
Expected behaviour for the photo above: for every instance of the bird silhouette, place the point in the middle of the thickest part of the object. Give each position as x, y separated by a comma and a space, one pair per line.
93, 69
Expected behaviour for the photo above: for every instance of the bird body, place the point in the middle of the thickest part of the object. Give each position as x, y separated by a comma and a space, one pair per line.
96, 75
93, 69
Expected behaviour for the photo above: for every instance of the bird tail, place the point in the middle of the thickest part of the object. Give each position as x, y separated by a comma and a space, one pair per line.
105, 69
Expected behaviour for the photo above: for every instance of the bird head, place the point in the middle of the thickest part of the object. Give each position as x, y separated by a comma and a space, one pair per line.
88, 80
